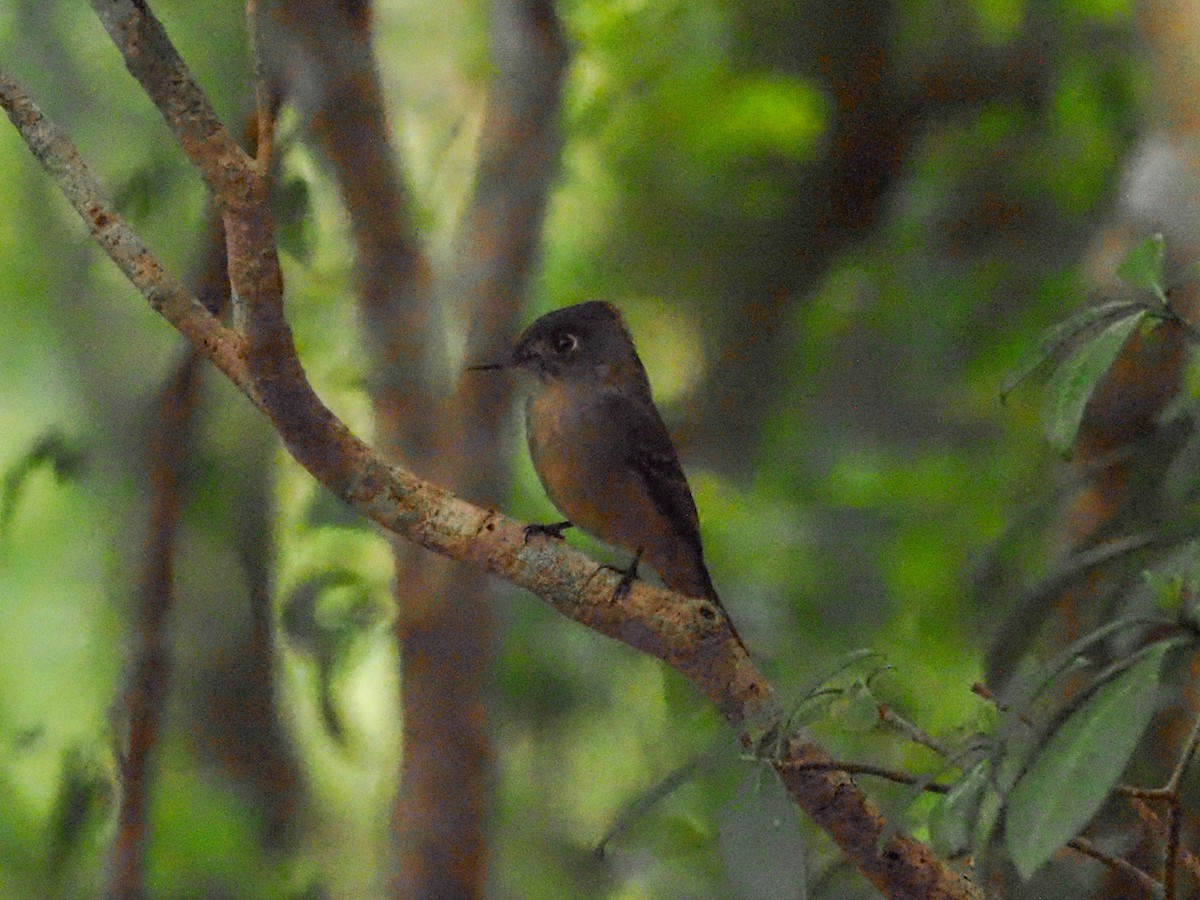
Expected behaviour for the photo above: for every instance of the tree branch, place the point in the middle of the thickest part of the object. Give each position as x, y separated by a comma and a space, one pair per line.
679, 630
851, 768
153, 61
1128, 869
1185, 858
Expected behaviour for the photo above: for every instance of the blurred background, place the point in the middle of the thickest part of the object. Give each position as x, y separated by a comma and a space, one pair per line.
834, 229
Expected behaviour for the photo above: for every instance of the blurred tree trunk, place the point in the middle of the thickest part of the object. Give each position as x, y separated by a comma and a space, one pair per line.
445, 625
230, 710
835, 201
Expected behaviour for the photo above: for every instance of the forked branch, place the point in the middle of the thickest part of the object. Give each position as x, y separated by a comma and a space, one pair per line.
264, 365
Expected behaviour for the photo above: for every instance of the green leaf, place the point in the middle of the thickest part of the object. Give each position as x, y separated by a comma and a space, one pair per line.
292, 204
842, 664
990, 806
1078, 767
820, 697
81, 808
642, 804
1058, 336
951, 823
1068, 660
1073, 382
1142, 266
1007, 763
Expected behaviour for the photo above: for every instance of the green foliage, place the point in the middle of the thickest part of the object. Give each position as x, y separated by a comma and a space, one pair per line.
952, 820
327, 618
1073, 773
1055, 339
856, 709
1046, 791
52, 449
1081, 132
1108, 326
206, 839
1143, 266
292, 209
1072, 384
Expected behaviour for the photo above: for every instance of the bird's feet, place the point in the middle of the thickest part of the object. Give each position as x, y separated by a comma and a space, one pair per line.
628, 575
554, 530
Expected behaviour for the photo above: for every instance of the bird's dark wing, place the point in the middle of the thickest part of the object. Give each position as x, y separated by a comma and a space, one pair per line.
650, 453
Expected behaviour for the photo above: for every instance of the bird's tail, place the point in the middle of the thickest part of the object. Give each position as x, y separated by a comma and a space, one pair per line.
689, 576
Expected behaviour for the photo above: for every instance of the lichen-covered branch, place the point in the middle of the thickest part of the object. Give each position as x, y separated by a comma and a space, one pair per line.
56, 152
152, 59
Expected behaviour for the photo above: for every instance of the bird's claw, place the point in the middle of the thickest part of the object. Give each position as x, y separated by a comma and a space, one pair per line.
628, 576
554, 530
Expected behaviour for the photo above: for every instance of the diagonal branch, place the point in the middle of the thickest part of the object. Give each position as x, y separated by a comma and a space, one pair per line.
154, 62
681, 631
165, 294
1149, 886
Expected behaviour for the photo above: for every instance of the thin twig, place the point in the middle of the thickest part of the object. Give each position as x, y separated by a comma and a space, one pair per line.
1132, 872
982, 690
867, 769
1185, 758
1170, 792
1141, 793
914, 732
1171, 852
1175, 812
1189, 860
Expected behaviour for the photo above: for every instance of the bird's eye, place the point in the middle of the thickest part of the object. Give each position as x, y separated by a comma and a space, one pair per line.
565, 343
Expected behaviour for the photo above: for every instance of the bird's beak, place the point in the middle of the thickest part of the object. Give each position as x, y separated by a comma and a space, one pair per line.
509, 363
490, 367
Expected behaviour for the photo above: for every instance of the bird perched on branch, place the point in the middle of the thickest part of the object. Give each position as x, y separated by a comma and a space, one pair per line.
601, 449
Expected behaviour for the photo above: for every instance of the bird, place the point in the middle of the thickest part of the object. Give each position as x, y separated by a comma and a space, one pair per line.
600, 447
